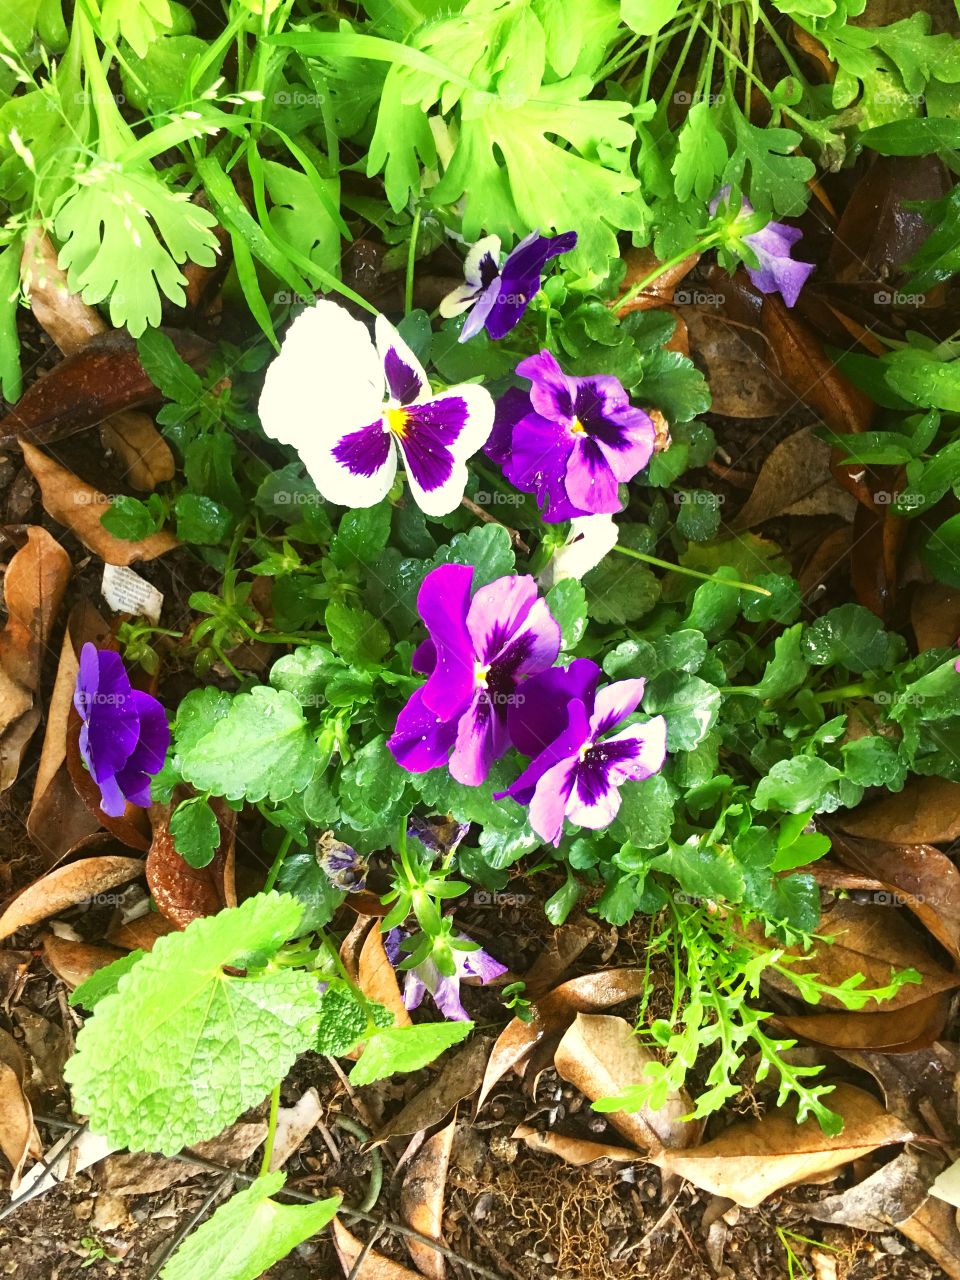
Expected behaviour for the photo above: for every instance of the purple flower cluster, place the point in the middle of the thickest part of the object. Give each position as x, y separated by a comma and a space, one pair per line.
123, 733
777, 272
493, 685
570, 441
445, 991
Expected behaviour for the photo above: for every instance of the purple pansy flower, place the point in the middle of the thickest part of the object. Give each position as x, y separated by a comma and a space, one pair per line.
778, 272
500, 295
578, 765
571, 441
344, 867
349, 407
445, 991
478, 653
124, 733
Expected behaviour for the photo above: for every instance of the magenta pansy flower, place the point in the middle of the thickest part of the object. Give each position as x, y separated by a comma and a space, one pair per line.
352, 407
498, 296
124, 733
571, 441
565, 722
445, 991
778, 272
479, 653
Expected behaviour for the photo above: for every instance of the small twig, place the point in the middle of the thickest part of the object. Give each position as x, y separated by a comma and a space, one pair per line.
388, 1224
62, 1154
362, 1255
487, 518
185, 1230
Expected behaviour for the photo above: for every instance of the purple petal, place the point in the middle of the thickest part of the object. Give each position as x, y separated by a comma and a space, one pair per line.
403, 380
428, 432
590, 483
541, 449
566, 746
421, 740
414, 988
513, 629
520, 278
634, 753
548, 806
613, 703
482, 738
551, 392
625, 434
364, 452
424, 657
778, 271
446, 996
104, 700
539, 712
113, 802
391, 944
594, 800
481, 309
512, 406
478, 964
442, 602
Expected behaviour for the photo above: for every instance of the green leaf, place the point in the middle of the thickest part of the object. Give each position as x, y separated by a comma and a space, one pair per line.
124, 235
486, 547
852, 637
701, 154
201, 520
567, 601
130, 519
195, 831
689, 705
766, 165
261, 749
182, 1048
787, 669
11, 374
371, 784
248, 1234
699, 514
620, 590
343, 1021
406, 1049
923, 136
874, 762
647, 17
356, 635
302, 878
361, 537
645, 818
795, 784
559, 905
168, 371
709, 873
924, 380
103, 982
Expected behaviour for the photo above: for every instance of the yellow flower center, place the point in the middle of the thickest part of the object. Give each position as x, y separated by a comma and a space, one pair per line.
578, 429
480, 674
396, 420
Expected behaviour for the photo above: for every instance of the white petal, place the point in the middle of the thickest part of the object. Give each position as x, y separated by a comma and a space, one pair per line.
590, 539
458, 301
480, 410
326, 381
471, 267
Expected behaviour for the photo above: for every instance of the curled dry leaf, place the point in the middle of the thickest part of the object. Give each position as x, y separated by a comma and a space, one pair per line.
136, 1173
642, 263
602, 1056
749, 1162
140, 934
58, 820
69, 321
293, 1125
796, 479
935, 616
893, 1031
77, 505
923, 877
934, 1229
374, 1266
458, 1079
574, 1151
74, 962
885, 1199
874, 941
67, 887
146, 457
421, 1200
182, 892
378, 978
926, 811
562, 947
103, 378
554, 1013
742, 383
18, 1136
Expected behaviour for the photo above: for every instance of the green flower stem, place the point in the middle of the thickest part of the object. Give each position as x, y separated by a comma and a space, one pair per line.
782, 49
277, 863
411, 263
862, 689
691, 573
271, 1131
701, 246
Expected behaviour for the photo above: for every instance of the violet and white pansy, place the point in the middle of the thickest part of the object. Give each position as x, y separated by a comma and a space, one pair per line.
350, 406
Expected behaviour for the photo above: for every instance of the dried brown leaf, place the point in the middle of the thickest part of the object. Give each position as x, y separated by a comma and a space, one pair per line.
147, 458
642, 263
554, 1013
182, 892
602, 1056
18, 1136
926, 811
421, 1200
934, 1229
67, 887
378, 978
458, 1078
796, 479
74, 962
893, 1031
742, 383
374, 1266
77, 505
68, 320
562, 947
137, 1174
33, 588
885, 1199
750, 1161
935, 616
141, 934
575, 1151
293, 1125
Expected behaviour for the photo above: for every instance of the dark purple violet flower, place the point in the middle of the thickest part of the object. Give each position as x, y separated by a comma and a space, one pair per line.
344, 867
124, 733
565, 722
777, 272
499, 295
571, 441
445, 991
439, 835
479, 653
